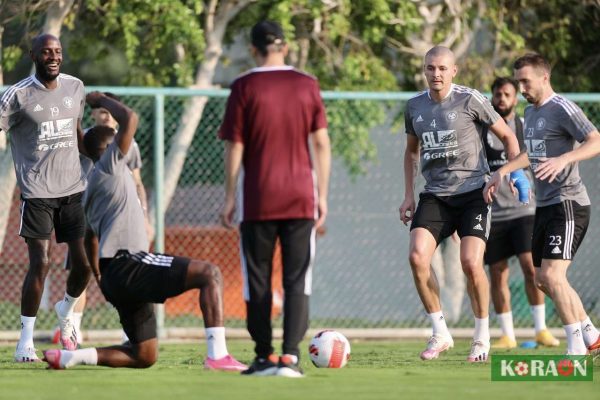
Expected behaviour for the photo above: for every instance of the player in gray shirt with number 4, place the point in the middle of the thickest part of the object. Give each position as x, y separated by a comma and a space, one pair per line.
42, 116
443, 127
553, 125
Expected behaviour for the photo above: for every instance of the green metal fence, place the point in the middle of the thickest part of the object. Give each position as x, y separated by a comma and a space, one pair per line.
362, 278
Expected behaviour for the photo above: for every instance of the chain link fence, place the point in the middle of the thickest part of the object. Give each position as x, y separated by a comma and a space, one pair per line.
361, 279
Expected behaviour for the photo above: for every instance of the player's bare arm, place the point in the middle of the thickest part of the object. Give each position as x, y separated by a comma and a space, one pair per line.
125, 117
549, 168
411, 169
80, 139
322, 160
233, 163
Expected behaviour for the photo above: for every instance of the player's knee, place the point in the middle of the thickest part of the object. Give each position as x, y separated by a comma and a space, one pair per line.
471, 267
213, 274
204, 274
418, 260
529, 275
147, 357
547, 280
497, 277
39, 261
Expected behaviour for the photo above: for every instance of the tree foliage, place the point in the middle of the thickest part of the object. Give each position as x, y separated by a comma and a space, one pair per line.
162, 40
370, 45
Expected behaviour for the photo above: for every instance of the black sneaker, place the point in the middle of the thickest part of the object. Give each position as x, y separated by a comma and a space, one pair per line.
262, 366
288, 368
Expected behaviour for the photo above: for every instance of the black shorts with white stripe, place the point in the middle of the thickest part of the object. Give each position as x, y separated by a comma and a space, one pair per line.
558, 231
132, 282
64, 214
466, 213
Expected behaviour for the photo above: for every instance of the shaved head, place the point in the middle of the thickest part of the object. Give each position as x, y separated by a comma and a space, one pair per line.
440, 51
439, 68
46, 54
40, 41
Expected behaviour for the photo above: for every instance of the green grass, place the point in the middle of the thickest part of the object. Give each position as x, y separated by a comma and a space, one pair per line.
377, 370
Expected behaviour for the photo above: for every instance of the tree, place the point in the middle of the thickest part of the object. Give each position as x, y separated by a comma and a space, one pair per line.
180, 41
338, 41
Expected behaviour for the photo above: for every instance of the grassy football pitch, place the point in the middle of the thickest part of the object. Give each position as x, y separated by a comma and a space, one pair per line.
377, 370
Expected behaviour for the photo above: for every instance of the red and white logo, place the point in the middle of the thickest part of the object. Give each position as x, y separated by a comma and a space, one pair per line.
522, 368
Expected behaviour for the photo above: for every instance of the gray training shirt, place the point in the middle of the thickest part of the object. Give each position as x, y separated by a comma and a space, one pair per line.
133, 159
453, 160
506, 205
42, 128
112, 207
551, 130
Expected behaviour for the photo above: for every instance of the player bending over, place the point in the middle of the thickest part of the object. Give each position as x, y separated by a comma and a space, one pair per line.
130, 277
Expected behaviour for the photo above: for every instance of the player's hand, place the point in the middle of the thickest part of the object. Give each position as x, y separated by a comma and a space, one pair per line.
322, 214
93, 98
407, 210
491, 187
549, 168
227, 213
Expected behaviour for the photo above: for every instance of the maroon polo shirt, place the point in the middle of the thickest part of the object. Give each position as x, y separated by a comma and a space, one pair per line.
272, 111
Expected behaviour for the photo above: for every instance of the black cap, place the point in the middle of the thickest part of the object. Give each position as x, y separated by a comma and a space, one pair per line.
266, 33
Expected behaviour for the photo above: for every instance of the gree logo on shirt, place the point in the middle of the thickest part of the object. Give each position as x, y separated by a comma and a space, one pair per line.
60, 128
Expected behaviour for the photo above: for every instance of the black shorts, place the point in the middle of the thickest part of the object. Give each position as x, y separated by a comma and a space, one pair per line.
558, 231
132, 282
509, 238
466, 213
64, 215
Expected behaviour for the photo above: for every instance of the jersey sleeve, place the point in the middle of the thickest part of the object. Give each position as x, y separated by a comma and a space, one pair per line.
320, 116
112, 159
8, 109
408, 124
575, 122
232, 128
134, 157
480, 109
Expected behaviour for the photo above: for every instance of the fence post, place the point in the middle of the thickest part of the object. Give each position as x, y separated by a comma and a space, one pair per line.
159, 173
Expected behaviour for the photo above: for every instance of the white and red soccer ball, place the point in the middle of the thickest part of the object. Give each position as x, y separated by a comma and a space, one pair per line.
329, 349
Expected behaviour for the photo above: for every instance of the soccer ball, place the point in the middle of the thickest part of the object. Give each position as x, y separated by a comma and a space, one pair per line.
329, 349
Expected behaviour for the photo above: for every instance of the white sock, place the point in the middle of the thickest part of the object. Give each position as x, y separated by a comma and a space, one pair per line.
87, 356
538, 313
590, 332
482, 329
506, 324
438, 322
65, 307
575, 344
215, 342
26, 339
77, 316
